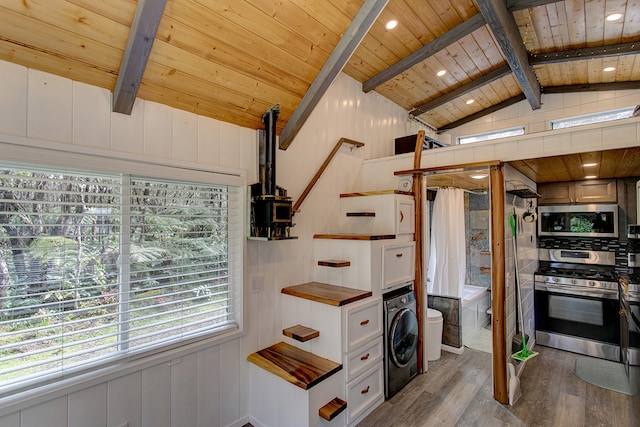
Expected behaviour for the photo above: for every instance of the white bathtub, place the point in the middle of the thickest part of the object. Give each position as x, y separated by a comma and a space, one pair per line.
475, 303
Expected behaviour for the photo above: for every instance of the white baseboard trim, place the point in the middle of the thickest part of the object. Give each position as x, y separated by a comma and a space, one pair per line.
455, 350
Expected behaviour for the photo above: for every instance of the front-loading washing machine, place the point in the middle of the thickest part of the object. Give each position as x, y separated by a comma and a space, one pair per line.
400, 339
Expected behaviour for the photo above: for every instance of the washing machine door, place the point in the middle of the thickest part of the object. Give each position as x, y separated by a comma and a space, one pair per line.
403, 337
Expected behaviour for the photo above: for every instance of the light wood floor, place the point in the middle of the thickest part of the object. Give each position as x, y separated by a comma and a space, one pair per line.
457, 391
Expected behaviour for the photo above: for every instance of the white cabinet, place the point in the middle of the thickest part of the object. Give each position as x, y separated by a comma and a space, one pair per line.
377, 213
352, 335
276, 402
398, 264
362, 359
405, 215
363, 323
364, 393
374, 252
373, 265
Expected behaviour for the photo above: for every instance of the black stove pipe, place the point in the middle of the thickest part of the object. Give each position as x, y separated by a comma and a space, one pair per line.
269, 119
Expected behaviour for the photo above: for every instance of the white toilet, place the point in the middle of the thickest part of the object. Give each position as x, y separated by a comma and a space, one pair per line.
433, 334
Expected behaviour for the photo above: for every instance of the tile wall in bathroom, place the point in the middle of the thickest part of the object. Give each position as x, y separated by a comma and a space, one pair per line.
477, 236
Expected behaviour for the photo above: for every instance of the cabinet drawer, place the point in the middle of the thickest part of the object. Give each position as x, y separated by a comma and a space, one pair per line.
364, 392
363, 358
405, 216
363, 322
398, 264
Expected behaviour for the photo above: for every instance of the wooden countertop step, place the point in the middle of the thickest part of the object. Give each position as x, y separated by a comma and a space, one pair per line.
355, 236
332, 409
294, 365
326, 294
335, 263
301, 333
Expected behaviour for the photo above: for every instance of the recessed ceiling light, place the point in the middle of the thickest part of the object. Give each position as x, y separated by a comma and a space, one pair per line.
614, 17
607, 69
469, 102
586, 165
391, 24
590, 176
441, 73
478, 174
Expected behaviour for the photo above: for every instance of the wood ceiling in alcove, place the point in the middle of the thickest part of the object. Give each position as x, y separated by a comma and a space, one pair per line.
458, 179
620, 163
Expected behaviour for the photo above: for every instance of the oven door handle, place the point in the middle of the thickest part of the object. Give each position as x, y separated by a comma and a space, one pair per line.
573, 290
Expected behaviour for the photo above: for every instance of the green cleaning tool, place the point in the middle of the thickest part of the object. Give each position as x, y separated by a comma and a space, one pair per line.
525, 353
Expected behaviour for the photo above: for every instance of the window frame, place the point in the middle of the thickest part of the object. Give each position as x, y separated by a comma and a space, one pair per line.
30, 153
491, 135
601, 114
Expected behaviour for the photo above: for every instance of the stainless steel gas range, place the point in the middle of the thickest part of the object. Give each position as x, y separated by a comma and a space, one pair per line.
576, 302
630, 312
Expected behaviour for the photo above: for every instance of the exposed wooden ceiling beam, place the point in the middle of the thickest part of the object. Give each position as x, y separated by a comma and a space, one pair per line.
585, 53
434, 46
592, 87
348, 43
482, 113
507, 35
514, 5
461, 90
141, 36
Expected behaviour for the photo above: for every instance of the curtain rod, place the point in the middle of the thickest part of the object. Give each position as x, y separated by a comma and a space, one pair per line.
463, 189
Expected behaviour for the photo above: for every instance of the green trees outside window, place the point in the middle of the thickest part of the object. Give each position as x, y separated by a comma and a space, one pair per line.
93, 267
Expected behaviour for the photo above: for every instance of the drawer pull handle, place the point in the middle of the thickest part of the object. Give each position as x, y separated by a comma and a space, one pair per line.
364, 322
401, 216
365, 357
365, 391
399, 255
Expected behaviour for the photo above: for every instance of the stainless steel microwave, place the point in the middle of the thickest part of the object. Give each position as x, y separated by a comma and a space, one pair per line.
592, 220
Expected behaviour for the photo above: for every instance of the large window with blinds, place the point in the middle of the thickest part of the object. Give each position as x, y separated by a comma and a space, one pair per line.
97, 267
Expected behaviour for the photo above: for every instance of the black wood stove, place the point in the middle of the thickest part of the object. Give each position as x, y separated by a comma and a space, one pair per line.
271, 208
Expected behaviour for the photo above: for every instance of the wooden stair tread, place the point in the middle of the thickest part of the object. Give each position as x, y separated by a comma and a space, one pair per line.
375, 193
301, 333
355, 236
332, 409
294, 365
326, 293
336, 263
367, 214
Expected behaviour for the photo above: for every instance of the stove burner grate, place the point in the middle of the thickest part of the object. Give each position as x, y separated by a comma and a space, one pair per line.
578, 273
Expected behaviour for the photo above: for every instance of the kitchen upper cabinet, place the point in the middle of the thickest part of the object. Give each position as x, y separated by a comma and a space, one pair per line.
591, 191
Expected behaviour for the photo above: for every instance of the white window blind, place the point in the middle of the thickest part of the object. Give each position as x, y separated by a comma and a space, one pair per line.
486, 136
588, 119
95, 268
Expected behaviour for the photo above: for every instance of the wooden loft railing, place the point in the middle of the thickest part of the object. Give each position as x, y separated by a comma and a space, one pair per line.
318, 174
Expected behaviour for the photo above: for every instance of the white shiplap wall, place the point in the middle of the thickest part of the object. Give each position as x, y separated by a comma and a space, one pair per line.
206, 386
202, 386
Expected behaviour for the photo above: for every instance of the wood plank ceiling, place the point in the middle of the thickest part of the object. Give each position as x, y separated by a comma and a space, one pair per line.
620, 163
233, 59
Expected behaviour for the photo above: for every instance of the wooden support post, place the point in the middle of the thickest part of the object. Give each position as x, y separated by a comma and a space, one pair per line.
498, 292
418, 193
